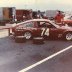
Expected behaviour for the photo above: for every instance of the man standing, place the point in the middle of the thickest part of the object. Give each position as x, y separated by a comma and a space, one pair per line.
31, 14
39, 14
59, 17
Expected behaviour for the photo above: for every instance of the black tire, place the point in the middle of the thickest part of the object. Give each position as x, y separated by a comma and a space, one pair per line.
20, 39
38, 40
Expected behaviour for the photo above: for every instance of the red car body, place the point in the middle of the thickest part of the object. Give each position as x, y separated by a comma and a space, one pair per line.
41, 27
69, 22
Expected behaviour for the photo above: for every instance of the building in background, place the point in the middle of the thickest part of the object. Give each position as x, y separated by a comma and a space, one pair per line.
23, 14
7, 14
51, 14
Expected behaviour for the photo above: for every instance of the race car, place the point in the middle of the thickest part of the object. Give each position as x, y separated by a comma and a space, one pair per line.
41, 28
67, 20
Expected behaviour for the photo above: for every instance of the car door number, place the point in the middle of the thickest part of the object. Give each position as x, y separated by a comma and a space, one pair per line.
45, 32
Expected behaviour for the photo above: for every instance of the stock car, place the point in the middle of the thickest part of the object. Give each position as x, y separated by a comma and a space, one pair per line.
40, 28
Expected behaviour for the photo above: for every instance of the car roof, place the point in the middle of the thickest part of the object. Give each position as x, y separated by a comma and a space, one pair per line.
37, 20
33, 20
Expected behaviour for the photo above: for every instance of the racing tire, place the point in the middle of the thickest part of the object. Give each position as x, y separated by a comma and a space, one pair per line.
68, 36
27, 35
20, 39
38, 40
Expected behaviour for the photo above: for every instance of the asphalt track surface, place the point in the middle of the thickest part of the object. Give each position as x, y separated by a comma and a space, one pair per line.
17, 56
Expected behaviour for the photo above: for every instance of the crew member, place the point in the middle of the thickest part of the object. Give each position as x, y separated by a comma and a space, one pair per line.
59, 17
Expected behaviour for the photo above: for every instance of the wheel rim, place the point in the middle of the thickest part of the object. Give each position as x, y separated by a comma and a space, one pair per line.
69, 36
27, 35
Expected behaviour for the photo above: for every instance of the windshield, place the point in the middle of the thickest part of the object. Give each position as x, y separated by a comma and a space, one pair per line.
54, 24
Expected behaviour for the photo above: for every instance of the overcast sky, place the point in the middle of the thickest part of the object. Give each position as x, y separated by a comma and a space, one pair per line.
64, 5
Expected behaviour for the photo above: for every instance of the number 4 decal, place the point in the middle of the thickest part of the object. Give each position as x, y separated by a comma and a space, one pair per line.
45, 32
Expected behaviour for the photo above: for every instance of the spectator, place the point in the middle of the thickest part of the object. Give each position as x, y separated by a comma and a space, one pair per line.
45, 17
39, 14
34, 15
31, 14
24, 17
59, 17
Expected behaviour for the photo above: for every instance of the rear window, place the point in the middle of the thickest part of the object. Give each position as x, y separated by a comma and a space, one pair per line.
28, 24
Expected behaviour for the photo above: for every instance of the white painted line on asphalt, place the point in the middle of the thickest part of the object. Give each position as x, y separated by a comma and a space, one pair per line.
46, 59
